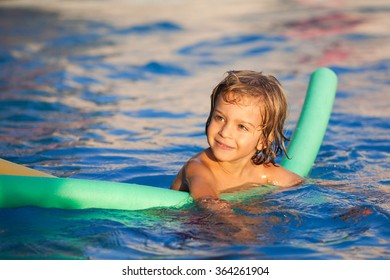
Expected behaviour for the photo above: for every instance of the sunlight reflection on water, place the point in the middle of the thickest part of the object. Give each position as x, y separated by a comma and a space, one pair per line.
112, 90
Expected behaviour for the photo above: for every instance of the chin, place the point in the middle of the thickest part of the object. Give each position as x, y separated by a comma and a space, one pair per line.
222, 155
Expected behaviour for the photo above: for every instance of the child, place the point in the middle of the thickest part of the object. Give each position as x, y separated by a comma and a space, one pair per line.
245, 134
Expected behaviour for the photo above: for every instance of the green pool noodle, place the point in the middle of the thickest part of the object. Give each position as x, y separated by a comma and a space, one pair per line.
68, 193
313, 121
41, 190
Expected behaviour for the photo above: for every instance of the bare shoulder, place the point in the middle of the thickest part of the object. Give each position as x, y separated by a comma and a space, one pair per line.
197, 165
200, 178
196, 177
180, 183
281, 177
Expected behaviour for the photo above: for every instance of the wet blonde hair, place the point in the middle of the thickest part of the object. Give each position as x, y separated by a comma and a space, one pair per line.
272, 104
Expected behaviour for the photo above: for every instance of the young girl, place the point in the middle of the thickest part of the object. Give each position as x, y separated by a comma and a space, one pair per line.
245, 134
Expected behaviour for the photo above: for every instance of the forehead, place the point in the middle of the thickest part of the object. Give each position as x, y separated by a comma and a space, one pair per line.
246, 108
240, 99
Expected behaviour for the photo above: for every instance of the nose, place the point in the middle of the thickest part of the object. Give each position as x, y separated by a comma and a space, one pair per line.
225, 131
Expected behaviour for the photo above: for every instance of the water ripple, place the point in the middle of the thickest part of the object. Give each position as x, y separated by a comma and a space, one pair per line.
119, 96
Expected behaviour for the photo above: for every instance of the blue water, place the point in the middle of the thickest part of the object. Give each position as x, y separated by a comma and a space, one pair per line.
119, 91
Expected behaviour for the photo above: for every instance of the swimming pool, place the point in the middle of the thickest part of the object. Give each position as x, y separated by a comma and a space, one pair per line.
119, 92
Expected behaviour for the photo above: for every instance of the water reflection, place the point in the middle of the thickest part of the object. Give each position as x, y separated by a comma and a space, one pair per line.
117, 91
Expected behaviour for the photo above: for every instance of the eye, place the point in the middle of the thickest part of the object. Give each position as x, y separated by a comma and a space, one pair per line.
218, 118
243, 127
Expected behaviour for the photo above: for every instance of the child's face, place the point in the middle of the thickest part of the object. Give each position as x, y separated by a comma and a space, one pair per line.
235, 129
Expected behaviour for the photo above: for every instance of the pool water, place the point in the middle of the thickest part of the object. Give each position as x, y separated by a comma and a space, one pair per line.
119, 91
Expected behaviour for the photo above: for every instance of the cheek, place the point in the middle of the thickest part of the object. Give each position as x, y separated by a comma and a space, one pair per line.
251, 141
213, 127
210, 133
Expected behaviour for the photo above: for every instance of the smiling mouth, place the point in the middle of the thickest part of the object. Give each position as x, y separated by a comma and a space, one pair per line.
223, 146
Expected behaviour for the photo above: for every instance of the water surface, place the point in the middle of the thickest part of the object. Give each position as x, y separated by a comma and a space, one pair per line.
119, 91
